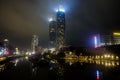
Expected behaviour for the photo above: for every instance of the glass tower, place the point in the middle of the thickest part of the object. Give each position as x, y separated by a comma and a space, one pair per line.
60, 28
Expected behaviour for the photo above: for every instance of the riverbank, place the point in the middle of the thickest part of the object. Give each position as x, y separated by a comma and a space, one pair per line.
8, 58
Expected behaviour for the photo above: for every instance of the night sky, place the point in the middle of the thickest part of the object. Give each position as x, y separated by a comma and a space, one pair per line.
20, 19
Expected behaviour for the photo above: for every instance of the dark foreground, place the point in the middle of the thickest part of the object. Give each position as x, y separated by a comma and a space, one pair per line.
23, 69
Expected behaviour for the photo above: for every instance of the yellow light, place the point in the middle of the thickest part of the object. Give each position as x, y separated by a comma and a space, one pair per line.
113, 64
116, 34
98, 56
117, 63
108, 55
102, 62
117, 57
2, 58
105, 56
109, 64
102, 57
106, 64
6, 40
26, 57
27, 53
112, 57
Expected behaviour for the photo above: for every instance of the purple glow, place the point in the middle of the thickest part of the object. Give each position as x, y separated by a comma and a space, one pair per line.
95, 42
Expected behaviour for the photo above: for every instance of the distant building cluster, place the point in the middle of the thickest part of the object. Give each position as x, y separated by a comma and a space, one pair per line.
107, 40
34, 43
5, 48
57, 30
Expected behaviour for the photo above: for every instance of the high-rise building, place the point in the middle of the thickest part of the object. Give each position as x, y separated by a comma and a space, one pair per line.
57, 28
6, 47
60, 28
34, 43
52, 33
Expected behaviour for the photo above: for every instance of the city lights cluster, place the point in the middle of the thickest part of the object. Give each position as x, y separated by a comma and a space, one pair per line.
105, 60
4, 51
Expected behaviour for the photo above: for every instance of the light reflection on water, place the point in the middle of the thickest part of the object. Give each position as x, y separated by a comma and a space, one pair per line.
6, 66
106, 63
64, 70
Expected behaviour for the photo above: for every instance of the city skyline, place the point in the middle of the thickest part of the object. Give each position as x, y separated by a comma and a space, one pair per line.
22, 19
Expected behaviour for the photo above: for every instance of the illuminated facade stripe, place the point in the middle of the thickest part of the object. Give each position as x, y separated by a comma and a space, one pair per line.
95, 42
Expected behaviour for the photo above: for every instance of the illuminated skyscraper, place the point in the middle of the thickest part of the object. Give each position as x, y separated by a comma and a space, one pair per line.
60, 28
52, 33
57, 28
34, 43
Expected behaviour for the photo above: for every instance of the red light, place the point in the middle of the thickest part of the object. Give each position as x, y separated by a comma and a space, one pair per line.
7, 53
98, 77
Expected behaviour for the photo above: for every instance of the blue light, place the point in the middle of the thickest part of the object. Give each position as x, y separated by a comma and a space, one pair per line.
2, 50
97, 73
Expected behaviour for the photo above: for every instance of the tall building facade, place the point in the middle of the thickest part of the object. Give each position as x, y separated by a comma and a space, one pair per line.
52, 33
60, 28
34, 43
57, 28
